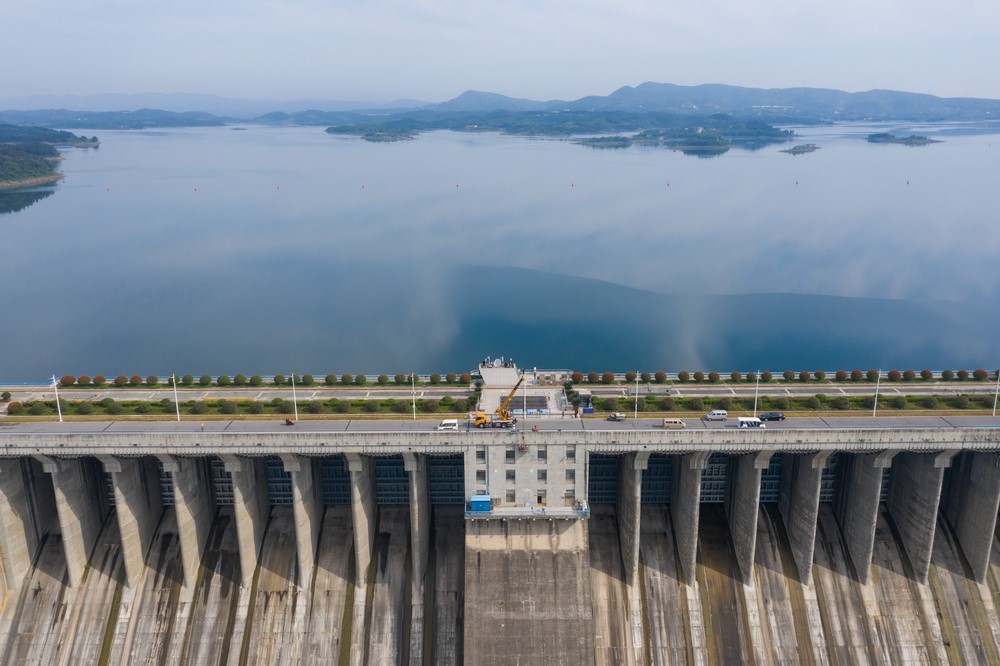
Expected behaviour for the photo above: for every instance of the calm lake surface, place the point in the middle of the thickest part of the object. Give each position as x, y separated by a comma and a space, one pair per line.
286, 249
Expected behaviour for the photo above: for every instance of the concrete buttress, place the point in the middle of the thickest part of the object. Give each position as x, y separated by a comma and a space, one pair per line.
742, 506
859, 486
913, 504
82, 506
23, 522
798, 504
685, 498
194, 508
629, 510
251, 506
363, 511
139, 506
971, 504
307, 511
420, 535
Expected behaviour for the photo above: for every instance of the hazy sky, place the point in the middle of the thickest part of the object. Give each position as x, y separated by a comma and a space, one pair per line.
435, 49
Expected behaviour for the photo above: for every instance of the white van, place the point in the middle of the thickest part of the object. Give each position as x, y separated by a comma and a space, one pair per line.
448, 424
674, 423
717, 415
749, 422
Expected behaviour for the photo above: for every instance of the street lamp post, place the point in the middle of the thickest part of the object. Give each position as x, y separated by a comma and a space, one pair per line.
177, 404
55, 387
635, 414
295, 403
756, 389
996, 393
413, 393
878, 380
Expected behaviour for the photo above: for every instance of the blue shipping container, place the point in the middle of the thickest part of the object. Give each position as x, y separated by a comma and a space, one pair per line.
480, 503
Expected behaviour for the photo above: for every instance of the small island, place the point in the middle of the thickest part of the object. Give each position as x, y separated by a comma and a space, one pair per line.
912, 140
28, 154
801, 149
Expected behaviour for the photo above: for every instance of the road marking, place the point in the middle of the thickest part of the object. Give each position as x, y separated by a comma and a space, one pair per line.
842, 391
732, 391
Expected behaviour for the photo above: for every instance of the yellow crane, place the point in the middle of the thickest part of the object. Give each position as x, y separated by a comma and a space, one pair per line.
501, 417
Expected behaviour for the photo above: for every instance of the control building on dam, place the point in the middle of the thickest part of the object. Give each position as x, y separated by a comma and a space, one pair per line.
158, 543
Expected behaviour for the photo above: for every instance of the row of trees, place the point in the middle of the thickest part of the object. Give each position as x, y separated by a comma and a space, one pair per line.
684, 376
819, 401
446, 405
122, 381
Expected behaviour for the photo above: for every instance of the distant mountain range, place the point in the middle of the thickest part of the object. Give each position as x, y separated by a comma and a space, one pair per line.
779, 105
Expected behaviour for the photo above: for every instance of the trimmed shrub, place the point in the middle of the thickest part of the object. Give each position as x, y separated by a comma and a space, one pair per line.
187, 380
277, 402
979, 375
67, 380
314, 407
804, 376
360, 380
143, 408
287, 408
926, 375
308, 380
766, 376
961, 402
450, 378
856, 375
383, 380
645, 377
5, 396
930, 402
227, 406
400, 406
752, 377
699, 376
224, 380
198, 407
898, 402
872, 375
695, 404
788, 375
812, 402
841, 376
713, 376
240, 380
724, 402
576, 377
255, 408
947, 375
256, 380
38, 409
593, 377
465, 378
330, 379
608, 405
346, 378
667, 404
630, 376
894, 376
608, 378
116, 408
152, 380
400, 378
660, 377
736, 376
819, 375
435, 379
278, 380
782, 403
963, 375
841, 402
85, 408
15, 408
909, 375
83, 380
121, 380
205, 380
428, 406
683, 376
134, 380
100, 380
106, 402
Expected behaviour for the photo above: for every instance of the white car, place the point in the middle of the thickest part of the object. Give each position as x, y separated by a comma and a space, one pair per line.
448, 424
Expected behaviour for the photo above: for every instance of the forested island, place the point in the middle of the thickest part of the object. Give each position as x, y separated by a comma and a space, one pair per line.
28, 154
912, 140
801, 149
691, 134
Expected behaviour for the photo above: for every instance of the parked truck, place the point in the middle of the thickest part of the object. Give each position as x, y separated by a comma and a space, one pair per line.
501, 417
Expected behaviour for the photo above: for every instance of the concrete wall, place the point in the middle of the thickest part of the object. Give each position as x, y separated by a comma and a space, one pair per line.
194, 508
971, 505
798, 505
859, 484
629, 505
742, 506
82, 506
23, 522
363, 512
489, 469
139, 507
420, 513
251, 509
307, 511
685, 498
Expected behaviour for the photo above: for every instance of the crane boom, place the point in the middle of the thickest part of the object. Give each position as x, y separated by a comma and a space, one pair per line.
501, 417
502, 410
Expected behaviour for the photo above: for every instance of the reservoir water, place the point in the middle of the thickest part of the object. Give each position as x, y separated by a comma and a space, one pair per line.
262, 250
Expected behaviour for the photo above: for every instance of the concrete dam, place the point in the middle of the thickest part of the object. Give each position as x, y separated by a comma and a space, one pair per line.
161, 543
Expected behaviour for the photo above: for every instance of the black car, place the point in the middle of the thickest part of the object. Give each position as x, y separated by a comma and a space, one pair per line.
772, 416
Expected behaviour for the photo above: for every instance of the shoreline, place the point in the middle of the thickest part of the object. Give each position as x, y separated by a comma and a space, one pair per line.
31, 182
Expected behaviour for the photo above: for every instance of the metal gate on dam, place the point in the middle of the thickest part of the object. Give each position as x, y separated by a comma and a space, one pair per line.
849, 546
